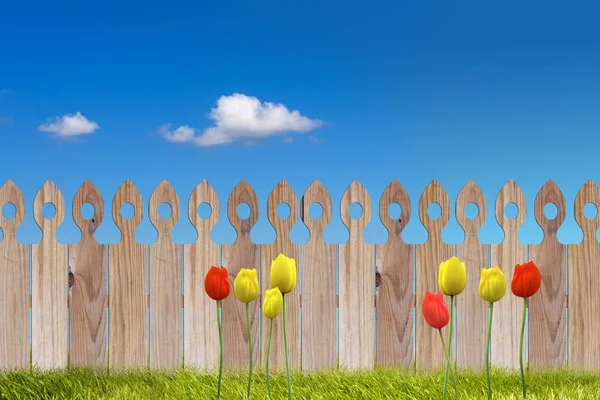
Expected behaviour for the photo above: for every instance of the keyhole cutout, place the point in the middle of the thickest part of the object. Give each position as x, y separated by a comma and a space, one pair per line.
434, 211
395, 211
87, 211
127, 211
204, 210
164, 210
9, 211
471, 211
550, 211
48, 211
283, 211
590, 211
355, 210
315, 211
243, 211
511, 210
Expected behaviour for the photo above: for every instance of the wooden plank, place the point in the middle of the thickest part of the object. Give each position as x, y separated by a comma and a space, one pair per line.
584, 280
508, 312
166, 347
14, 276
547, 308
240, 254
429, 350
128, 286
87, 263
319, 299
200, 333
471, 311
282, 193
49, 311
357, 285
395, 293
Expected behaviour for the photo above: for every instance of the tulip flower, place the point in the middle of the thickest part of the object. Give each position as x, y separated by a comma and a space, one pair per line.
525, 283
452, 279
492, 287
436, 315
245, 288
271, 308
217, 287
283, 276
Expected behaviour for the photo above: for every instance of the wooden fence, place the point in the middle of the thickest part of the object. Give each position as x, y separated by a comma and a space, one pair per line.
376, 301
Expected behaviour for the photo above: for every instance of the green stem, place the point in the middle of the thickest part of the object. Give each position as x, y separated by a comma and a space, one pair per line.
449, 344
448, 359
269, 351
287, 364
220, 348
250, 347
487, 358
521, 348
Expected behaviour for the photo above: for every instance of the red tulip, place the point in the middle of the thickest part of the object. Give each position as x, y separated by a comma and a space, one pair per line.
216, 283
434, 310
526, 280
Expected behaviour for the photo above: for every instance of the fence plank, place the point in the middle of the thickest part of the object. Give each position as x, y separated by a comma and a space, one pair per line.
394, 294
509, 311
14, 273
166, 351
128, 286
429, 350
584, 280
318, 285
49, 311
87, 263
357, 285
471, 310
241, 254
201, 337
282, 193
547, 320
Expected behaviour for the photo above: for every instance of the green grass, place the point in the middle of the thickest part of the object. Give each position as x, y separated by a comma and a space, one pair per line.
373, 384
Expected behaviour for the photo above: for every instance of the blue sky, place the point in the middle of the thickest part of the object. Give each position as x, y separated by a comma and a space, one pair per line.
402, 90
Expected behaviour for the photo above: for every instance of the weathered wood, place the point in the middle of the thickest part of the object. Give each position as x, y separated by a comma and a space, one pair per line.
166, 351
547, 308
319, 299
14, 285
282, 193
87, 263
395, 293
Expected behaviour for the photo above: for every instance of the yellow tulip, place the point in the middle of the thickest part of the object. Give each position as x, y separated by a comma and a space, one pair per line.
283, 273
452, 277
245, 286
273, 303
492, 285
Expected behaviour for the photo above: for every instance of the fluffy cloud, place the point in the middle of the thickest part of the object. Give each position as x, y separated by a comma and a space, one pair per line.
242, 118
69, 125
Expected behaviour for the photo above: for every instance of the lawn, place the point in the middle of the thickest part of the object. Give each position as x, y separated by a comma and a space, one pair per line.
377, 384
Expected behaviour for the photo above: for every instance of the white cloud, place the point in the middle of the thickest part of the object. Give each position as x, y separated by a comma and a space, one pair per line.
243, 118
69, 125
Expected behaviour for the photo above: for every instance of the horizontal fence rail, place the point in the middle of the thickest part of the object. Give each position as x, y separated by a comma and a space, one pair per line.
129, 305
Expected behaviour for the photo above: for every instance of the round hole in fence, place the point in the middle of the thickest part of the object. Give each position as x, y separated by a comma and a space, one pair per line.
127, 210
355, 210
511, 211
48, 210
87, 210
550, 210
315, 210
394, 211
283, 210
471, 211
434, 211
9, 211
243, 210
164, 210
204, 210
590, 210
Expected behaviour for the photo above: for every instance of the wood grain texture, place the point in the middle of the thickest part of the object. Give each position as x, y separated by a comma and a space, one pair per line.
87, 263
471, 311
282, 193
49, 285
201, 335
357, 285
319, 298
241, 254
128, 286
429, 350
584, 281
547, 308
15, 280
395, 293
166, 347
508, 312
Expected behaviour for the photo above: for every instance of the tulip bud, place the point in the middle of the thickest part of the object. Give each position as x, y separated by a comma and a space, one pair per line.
492, 284
245, 286
434, 310
273, 303
452, 277
216, 283
283, 273
526, 280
